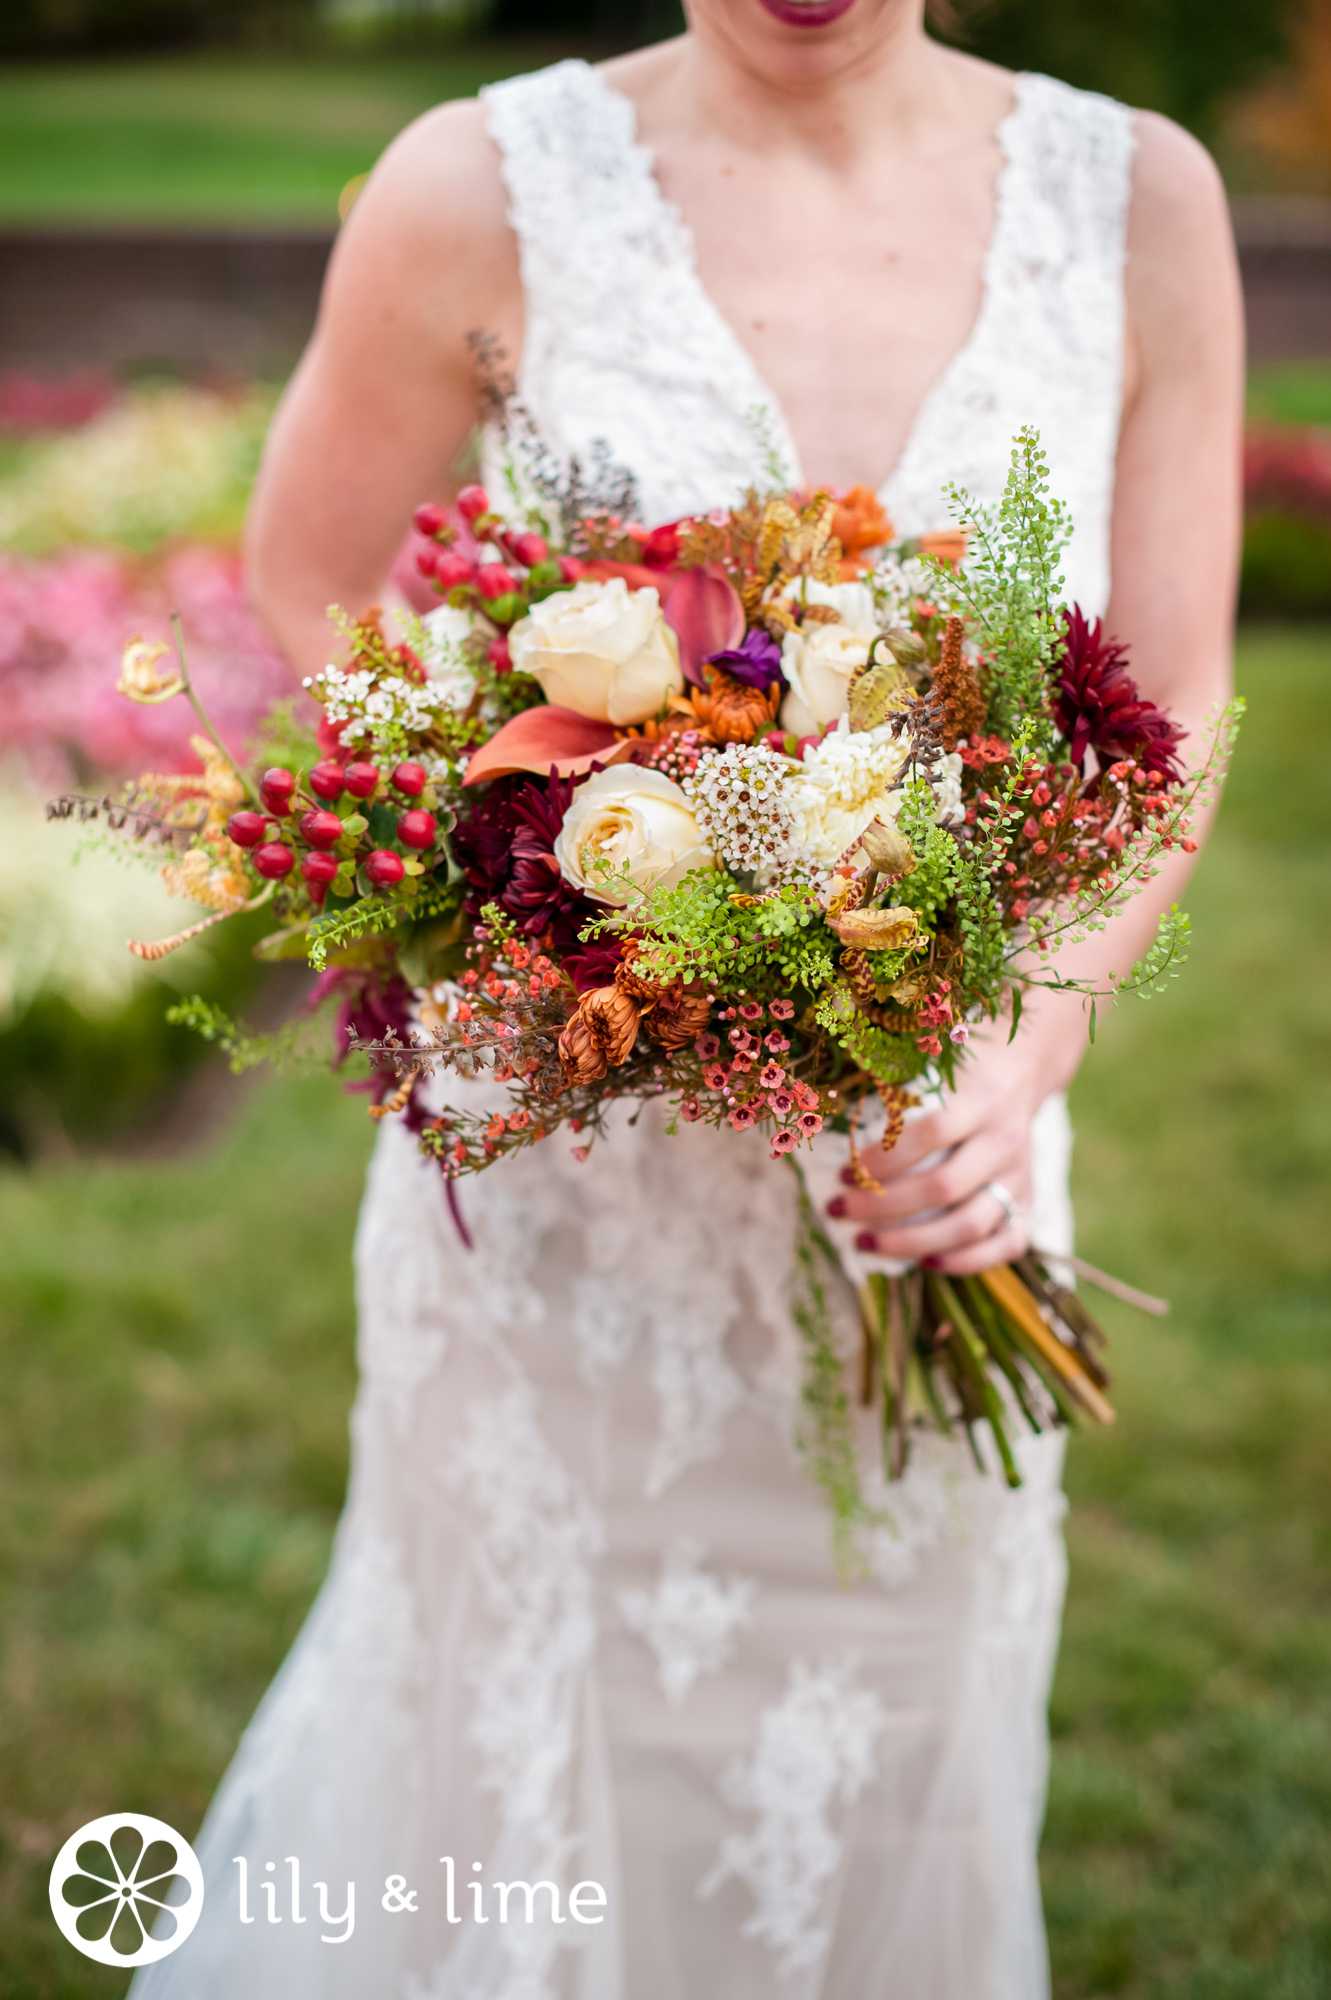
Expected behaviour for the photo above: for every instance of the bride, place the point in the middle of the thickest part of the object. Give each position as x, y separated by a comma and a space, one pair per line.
581, 1625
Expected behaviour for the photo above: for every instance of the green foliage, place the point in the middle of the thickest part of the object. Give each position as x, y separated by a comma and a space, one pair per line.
286, 736
1286, 567
1166, 958
300, 1044
934, 876
890, 1058
696, 931
1183, 57
371, 916
826, 1434
1010, 585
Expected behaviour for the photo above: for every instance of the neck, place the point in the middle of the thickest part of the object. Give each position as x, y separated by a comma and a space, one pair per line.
839, 91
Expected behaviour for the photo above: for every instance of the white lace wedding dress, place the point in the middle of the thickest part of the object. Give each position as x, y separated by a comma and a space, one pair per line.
581, 1622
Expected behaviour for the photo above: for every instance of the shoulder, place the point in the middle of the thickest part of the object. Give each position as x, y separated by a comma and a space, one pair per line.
1182, 268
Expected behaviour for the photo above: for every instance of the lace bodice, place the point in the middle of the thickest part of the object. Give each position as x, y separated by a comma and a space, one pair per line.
623, 343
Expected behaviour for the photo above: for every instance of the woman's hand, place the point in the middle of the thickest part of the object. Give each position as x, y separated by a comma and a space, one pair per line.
981, 1134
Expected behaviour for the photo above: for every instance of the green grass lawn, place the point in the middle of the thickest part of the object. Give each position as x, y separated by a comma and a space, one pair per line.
175, 1343
217, 138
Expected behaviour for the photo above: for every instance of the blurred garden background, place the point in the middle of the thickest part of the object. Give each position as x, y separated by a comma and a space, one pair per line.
175, 1300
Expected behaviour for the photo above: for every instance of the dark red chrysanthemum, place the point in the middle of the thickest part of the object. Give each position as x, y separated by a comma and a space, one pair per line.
1099, 707
506, 847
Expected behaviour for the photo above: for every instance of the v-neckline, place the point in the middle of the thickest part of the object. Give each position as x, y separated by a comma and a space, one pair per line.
724, 328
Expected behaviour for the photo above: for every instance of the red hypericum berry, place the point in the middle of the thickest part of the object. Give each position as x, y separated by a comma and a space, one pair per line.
360, 779
473, 501
427, 561
384, 868
409, 779
530, 549
417, 829
451, 569
493, 580
247, 829
430, 518
499, 656
571, 569
327, 781
275, 789
321, 829
274, 859
319, 869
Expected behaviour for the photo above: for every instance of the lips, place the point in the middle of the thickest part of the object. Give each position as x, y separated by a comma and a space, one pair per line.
806, 13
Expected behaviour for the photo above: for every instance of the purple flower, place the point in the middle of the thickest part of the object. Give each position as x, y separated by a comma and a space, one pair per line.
756, 660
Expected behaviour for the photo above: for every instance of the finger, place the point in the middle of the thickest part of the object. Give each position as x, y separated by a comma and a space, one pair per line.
1012, 1240
980, 1220
993, 1155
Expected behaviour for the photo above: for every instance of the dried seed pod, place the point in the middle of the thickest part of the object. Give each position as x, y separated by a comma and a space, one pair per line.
908, 648
888, 849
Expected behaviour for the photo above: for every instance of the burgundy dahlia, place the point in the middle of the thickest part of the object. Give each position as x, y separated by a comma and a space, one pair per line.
1099, 707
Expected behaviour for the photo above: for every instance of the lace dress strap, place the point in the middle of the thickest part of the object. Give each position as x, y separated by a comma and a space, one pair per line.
622, 344
1047, 347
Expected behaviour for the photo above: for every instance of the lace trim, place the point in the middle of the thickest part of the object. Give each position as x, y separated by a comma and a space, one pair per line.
625, 344
815, 1746
690, 1620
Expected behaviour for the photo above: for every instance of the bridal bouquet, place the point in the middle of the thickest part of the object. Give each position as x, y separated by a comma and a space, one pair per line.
758, 813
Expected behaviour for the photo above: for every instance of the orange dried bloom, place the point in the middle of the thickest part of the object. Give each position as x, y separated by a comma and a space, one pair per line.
859, 523
600, 1035
679, 1016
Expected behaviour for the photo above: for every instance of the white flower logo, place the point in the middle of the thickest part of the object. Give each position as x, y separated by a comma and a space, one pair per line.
126, 1889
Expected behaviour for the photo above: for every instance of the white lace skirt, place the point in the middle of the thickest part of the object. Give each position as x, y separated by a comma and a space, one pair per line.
582, 1625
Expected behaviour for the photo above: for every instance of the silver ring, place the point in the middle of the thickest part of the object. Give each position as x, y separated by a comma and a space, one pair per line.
1012, 1210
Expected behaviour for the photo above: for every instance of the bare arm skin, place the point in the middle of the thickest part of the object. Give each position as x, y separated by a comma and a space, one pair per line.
1176, 531
385, 396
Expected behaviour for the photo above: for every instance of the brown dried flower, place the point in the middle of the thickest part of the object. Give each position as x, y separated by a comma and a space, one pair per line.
645, 992
679, 1016
964, 710
600, 1035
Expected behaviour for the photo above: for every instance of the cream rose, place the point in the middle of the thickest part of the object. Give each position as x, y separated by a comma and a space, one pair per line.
818, 660
629, 818
602, 649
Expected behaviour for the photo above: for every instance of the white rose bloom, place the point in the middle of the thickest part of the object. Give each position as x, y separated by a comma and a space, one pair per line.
444, 660
602, 649
625, 815
819, 660
843, 784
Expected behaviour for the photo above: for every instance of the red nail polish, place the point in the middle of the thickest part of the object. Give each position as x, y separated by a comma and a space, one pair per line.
866, 1240
848, 1177
837, 1205
931, 1263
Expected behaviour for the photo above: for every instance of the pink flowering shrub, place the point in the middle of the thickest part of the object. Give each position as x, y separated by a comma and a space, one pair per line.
32, 404
1287, 470
64, 621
